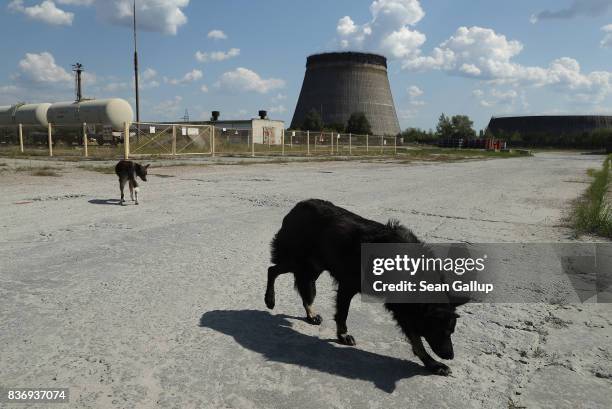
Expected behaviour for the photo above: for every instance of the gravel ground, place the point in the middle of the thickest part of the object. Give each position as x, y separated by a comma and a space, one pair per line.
161, 305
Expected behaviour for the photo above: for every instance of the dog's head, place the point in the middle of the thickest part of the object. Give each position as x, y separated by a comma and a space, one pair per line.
141, 171
438, 326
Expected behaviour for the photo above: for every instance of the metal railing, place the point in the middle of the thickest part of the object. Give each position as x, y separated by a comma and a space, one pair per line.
167, 139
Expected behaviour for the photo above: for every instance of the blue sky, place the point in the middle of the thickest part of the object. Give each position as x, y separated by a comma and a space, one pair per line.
474, 57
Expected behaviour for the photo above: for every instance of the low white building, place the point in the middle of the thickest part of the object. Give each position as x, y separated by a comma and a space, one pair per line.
263, 131
260, 130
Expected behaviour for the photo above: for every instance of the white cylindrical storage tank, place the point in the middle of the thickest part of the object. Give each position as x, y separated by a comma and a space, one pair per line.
109, 112
7, 115
32, 115
114, 112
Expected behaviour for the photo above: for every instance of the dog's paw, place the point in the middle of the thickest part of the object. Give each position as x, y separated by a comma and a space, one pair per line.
438, 368
136, 203
269, 299
315, 320
346, 339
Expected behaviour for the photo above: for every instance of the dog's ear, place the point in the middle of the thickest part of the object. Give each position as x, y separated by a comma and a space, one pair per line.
147, 166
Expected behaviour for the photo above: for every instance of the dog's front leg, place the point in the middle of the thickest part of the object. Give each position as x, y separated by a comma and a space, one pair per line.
434, 366
343, 302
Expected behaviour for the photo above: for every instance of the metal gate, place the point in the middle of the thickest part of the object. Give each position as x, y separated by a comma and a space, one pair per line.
170, 139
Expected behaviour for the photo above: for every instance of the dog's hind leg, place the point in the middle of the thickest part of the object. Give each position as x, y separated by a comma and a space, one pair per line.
131, 184
308, 290
121, 187
273, 273
434, 366
136, 188
343, 303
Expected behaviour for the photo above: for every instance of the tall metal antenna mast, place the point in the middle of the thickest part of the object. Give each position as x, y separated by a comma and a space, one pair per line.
136, 68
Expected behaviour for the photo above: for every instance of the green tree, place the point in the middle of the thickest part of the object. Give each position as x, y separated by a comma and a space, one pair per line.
444, 129
358, 123
463, 127
336, 127
418, 135
312, 121
458, 126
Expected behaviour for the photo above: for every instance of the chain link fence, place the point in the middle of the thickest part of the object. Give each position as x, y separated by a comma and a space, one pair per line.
158, 139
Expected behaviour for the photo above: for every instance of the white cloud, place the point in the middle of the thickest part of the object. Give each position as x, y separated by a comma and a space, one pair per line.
116, 86
217, 35
191, 76
414, 103
149, 74
243, 79
346, 26
279, 97
168, 109
503, 101
217, 55
606, 42
204, 88
41, 68
164, 16
388, 31
483, 54
588, 8
414, 91
473, 51
280, 109
76, 2
47, 12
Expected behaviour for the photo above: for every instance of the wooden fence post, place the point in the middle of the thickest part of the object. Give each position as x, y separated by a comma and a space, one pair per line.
308, 142
350, 144
283, 141
367, 144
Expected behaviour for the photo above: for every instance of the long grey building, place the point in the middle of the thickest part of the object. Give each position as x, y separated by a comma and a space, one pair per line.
553, 125
339, 84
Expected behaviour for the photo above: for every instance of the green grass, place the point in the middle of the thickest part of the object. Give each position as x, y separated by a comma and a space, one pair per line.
42, 172
39, 170
592, 213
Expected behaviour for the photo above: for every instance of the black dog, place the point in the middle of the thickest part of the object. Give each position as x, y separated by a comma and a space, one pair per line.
127, 171
315, 236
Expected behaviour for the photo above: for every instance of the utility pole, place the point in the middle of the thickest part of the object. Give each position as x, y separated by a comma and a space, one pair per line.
136, 68
78, 69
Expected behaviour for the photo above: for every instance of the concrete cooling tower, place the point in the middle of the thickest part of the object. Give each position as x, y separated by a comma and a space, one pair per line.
339, 84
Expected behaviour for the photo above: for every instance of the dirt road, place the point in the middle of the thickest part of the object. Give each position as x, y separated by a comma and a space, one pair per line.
161, 305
